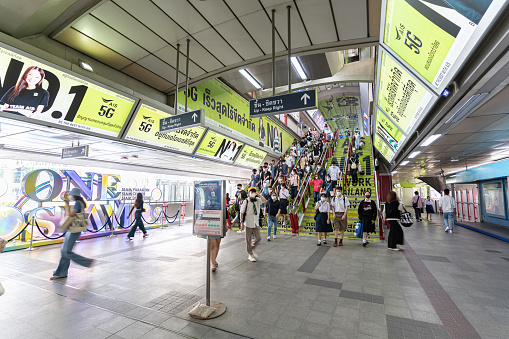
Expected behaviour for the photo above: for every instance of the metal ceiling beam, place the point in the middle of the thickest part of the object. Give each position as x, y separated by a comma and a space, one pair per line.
73, 14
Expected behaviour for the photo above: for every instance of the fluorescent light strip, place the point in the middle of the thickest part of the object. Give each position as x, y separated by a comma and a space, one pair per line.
414, 154
404, 163
251, 79
298, 68
431, 139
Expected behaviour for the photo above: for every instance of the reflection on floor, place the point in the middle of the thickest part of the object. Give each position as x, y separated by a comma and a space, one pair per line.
443, 286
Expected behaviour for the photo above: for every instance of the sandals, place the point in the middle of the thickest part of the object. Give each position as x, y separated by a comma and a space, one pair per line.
214, 267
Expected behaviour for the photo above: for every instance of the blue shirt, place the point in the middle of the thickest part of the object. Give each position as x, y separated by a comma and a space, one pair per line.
255, 179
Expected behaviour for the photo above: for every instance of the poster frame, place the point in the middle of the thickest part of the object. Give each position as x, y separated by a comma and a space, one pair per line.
222, 184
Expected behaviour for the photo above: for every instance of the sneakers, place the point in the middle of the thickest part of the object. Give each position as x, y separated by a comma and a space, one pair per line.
274, 236
255, 255
364, 242
324, 241
400, 247
394, 249
251, 258
450, 231
241, 232
319, 243
446, 229
268, 238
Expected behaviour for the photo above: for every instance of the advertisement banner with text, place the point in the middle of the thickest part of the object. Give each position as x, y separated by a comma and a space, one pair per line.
229, 112
386, 128
431, 36
251, 156
217, 146
37, 92
144, 129
383, 148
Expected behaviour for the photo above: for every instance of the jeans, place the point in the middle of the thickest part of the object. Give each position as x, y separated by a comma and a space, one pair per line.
316, 196
68, 255
417, 214
293, 191
449, 219
271, 224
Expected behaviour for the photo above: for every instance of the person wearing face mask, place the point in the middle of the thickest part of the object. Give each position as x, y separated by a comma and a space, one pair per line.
294, 184
334, 173
272, 210
353, 168
273, 170
299, 172
70, 238
367, 215
255, 178
339, 206
321, 172
322, 219
317, 186
283, 198
328, 188
250, 221
265, 190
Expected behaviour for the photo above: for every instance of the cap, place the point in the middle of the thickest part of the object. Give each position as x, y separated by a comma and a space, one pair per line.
251, 189
75, 192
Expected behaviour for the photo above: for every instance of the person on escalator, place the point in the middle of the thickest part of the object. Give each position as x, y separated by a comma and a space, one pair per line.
334, 173
328, 188
321, 172
317, 187
353, 168
300, 171
294, 184
367, 215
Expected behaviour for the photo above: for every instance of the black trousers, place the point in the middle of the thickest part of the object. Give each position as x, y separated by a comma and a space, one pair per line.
396, 235
417, 214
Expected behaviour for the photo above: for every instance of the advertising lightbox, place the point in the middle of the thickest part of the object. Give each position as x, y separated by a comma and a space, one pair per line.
209, 208
251, 157
384, 149
144, 130
388, 130
220, 147
434, 37
36, 91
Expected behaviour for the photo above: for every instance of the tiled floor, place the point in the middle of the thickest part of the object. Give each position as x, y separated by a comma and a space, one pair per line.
442, 286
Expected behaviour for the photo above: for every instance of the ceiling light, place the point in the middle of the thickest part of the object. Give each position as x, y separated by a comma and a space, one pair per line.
298, 68
431, 139
404, 163
452, 160
249, 77
414, 154
85, 66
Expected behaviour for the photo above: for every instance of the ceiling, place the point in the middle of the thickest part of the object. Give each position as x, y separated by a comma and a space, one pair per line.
25, 141
140, 37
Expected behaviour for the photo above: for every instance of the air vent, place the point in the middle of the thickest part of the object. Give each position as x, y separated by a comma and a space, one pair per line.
466, 108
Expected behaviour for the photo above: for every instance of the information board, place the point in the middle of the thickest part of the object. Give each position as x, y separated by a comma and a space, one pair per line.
251, 156
400, 95
388, 131
383, 148
434, 37
144, 129
209, 208
217, 146
36, 91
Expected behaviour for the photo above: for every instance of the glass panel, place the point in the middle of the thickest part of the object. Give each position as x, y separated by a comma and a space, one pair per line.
494, 198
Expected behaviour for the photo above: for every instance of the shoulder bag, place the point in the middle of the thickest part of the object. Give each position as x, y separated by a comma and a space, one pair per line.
75, 224
406, 219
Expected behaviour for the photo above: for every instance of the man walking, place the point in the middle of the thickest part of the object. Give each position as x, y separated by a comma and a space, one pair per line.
447, 205
367, 215
417, 204
250, 220
339, 205
334, 173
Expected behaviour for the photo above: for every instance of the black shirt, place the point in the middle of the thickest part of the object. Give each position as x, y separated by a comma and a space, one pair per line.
303, 142
367, 209
272, 206
392, 211
27, 99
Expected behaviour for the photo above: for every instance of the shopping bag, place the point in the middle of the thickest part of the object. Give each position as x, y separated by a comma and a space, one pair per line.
358, 230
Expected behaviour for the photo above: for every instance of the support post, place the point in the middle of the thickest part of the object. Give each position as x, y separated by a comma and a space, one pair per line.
273, 52
187, 72
175, 106
289, 51
32, 235
207, 295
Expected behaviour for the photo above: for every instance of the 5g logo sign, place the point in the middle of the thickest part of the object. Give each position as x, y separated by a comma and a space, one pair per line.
413, 42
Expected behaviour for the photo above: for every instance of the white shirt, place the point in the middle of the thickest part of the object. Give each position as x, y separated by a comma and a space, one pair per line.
334, 172
324, 207
339, 204
251, 220
283, 193
447, 203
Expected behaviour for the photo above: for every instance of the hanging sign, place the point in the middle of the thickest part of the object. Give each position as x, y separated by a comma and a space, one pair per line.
220, 147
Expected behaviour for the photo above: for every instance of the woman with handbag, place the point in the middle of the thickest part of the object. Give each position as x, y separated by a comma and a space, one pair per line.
76, 214
392, 214
138, 205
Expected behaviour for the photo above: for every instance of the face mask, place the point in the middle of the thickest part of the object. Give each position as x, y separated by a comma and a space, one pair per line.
318, 167
368, 196
322, 198
316, 177
270, 190
252, 195
338, 194
273, 197
307, 168
280, 180
328, 180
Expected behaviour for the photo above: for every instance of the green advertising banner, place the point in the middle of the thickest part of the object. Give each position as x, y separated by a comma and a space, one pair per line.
435, 36
400, 95
229, 112
217, 146
144, 129
251, 156
383, 148
388, 131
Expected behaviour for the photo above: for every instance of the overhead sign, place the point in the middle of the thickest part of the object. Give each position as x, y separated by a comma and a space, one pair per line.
181, 121
36, 91
400, 95
435, 37
209, 208
384, 149
75, 152
219, 147
144, 130
284, 103
386, 127
251, 156
228, 112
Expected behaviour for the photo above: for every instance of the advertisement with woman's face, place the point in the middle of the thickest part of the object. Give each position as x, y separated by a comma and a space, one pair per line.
35, 90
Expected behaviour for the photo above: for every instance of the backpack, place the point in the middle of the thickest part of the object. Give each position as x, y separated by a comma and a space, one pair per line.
353, 166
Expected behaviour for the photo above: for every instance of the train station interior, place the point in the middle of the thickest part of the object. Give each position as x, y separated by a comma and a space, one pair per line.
254, 169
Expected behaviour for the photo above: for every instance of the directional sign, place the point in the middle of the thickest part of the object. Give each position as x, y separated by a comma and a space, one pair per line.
181, 121
75, 152
284, 103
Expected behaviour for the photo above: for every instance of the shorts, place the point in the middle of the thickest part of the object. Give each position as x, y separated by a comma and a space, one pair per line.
339, 223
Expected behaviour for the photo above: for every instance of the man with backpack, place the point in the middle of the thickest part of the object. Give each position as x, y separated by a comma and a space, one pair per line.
339, 204
250, 221
417, 204
353, 167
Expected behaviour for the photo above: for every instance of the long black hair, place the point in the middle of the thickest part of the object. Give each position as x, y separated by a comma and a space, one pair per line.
138, 203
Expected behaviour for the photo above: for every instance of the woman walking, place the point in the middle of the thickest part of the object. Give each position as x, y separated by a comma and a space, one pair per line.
429, 208
138, 205
323, 224
70, 238
392, 214
294, 184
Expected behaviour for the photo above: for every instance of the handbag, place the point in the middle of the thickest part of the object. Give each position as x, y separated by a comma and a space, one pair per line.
358, 230
75, 224
406, 219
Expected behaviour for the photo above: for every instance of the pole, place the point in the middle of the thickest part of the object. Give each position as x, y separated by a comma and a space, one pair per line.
289, 52
187, 72
207, 297
32, 235
175, 106
273, 52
